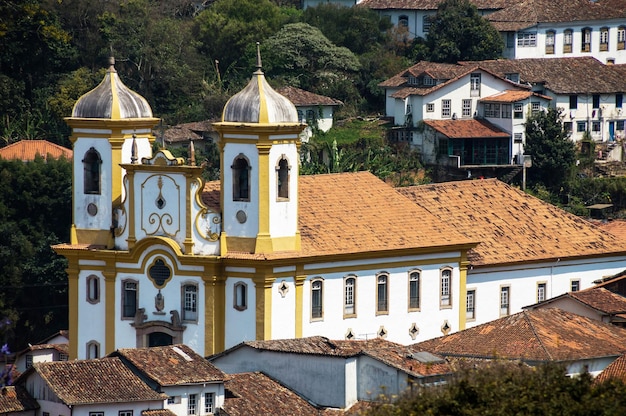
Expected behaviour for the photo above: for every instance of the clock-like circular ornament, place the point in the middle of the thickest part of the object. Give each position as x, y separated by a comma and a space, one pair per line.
92, 209
241, 216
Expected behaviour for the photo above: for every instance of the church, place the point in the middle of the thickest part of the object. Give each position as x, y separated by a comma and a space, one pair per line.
159, 257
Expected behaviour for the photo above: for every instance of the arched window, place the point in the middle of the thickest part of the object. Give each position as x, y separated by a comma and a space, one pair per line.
241, 179
240, 301
568, 40
190, 302
129, 298
446, 288
317, 299
382, 293
349, 299
91, 166
93, 289
604, 39
93, 349
282, 178
621, 37
414, 290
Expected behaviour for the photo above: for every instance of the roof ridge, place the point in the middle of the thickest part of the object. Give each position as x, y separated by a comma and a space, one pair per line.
532, 327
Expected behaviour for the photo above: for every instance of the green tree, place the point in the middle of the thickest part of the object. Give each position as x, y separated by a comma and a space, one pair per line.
553, 152
458, 33
301, 56
357, 28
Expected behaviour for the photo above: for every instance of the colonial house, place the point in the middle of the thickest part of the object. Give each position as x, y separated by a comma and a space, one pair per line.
590, 93
157, 257
460, 115
353, 371
192, 385
531, 29
16, 401
53, 348
317, 111
529, 250
88, 387
535, 337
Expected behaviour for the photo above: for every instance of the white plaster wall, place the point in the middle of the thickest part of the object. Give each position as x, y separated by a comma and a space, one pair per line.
54, 408
283, 214
398, 321
113, 409
523, 283
573, 306
203, 225
320, 379
183, 392
283, 310
91, 317
593, 366
376, 378
102, 220
352, 381
242, 323
232, 227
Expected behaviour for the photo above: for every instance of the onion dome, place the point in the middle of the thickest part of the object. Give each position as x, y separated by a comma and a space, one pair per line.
112, 100
259, 103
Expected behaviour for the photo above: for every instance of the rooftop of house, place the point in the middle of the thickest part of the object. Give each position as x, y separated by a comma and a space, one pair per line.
157, 412
15, 399
27, 150
538, 335
97, 381
512, 226
428, 4
614, 371
305, 98
528, 13
512, 96
352, 213
467, 128
598, 298
617, 227
576, 75
171, 365
392, 354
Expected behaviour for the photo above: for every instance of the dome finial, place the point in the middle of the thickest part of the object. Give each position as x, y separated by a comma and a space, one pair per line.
112, 64
258, 59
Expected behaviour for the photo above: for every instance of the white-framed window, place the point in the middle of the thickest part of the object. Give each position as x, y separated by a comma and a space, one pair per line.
428, 81
29, 360
93, 289
349, 298
129, 298
581, 126
518, 110
63, 357
240, 294
382, 293
446, 106
96, 413
430, 107
527, 39
445, 288
518, 137
492, 110
173, 400
604, 39
595, 127
505, 299
621, 37
619, 125
427, 21
541, 291
575, 285
414, 290
317, 299
125, 413
470, 306
192, 404
586, 40
506, 110
513, 77
209, 403
467, 108
190, 302
550, 35
475, 85
568, 40
535, 106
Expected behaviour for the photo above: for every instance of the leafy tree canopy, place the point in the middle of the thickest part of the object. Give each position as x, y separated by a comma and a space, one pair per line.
553, 152
458, 33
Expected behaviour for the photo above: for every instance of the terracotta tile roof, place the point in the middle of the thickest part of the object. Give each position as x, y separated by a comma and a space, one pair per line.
62, 348
601, 299
26, 150
359, 408
395, 355
304, 98
530, 12
105, 380
439, 71
511, 96
357, 213
580, 75
179, 134
614, 371
512, 226
467, 128
157, 412
171, 365
14, 399
428, 4
615, 227
257, 394
548, 334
